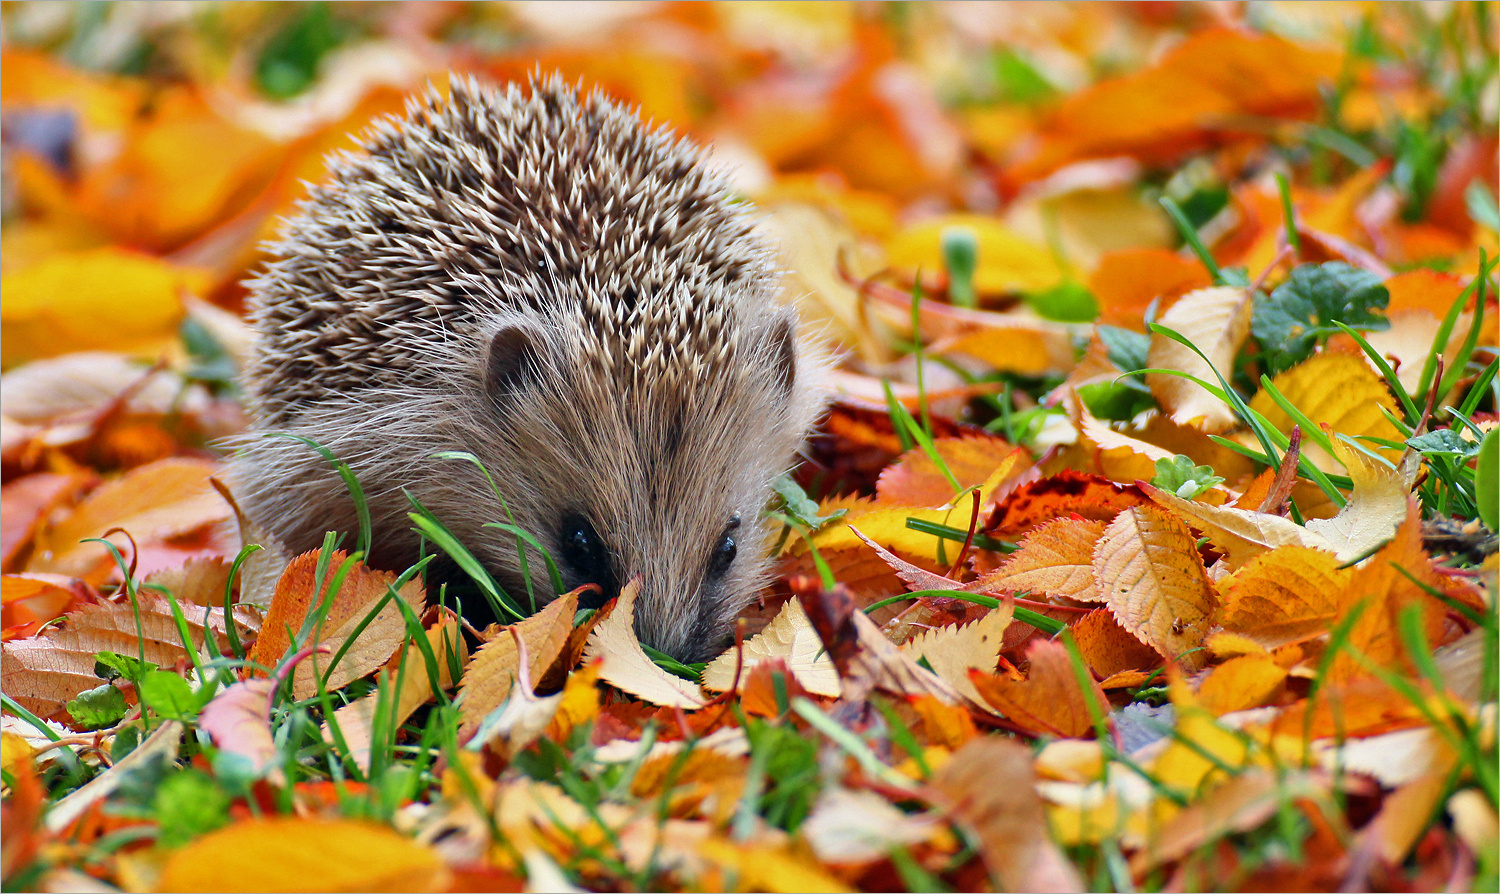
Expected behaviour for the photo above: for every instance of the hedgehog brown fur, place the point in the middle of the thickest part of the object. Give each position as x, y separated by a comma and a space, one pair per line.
539, 279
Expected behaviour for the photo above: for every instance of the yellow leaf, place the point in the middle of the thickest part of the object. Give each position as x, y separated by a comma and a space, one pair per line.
13, 751
492, 671
1018, 344
1240, 683
1217, 321
1007, 263
1055, 559
955, 650
293, 854
97, 299
1376, 507
768, 868
1336, 390
1284, 596
626, 665
579, 703
790, 637
1148, 568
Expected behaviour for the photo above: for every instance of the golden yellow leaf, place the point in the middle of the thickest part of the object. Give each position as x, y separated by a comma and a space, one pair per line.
1008, 263
295, 854
1020, 345
790, 637
96, 299
1148, 568
361, 588
1336, 390
14, 750
1283, 596
767, 868
1050, 700
165, 499
492, 671
626, 665
1217, 321
579, 703
1240, 683
955, 650
1055, 559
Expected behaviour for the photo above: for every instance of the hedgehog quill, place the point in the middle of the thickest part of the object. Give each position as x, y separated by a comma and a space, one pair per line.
537, 278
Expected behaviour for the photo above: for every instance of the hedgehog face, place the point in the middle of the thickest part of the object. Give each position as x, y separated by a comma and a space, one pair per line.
624, 478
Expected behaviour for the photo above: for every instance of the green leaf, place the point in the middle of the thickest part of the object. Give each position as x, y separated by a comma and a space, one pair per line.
1066, 302
1120, 400
112, 665
800, 507
1487, 479
1127, 348
961, 258
1443, 441
169, 695
289, 63
1309, 306
188, 804
1179, 476
98, 707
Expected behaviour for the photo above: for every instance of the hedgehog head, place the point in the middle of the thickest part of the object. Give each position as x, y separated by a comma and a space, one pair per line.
539, 280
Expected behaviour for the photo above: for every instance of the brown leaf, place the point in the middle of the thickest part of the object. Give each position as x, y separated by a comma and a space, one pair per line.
1153, 580
1107, 648
1050, 700
990, 787
864, 657
361, 589
44, 672
492, 671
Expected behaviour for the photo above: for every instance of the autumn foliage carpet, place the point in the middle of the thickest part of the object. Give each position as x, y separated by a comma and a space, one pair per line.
1150, 543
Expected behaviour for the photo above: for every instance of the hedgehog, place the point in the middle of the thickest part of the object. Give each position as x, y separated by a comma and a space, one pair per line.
538, 278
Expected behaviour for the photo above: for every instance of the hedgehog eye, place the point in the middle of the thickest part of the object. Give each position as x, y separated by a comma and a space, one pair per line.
582, 550
724, 551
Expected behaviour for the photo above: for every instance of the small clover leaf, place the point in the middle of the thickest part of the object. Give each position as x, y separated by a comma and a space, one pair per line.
1184, 479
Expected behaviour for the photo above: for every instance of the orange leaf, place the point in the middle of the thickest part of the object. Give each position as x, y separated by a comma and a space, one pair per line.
1055, 559
1109, 649
915, 480
1126, 282
1283, 596
1148, 568
490, 675
1248, 681
1050, 700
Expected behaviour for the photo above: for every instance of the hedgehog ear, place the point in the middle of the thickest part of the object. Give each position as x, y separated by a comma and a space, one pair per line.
784, 353
512, 359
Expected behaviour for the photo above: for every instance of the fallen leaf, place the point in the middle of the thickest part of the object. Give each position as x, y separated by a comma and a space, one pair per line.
31, 600
1007, 263
1107, 648
359, 591
356, 719
850, 827
1243, 803
952, 652
1217, 322
915, 480
767, 868
626, 666
491, 673
165, 499
1067, 493
309, 854
1376, 507
990, 787
1051, 700
1283, 596
161, 745
1247, 681
789, 637
864, 657
1241, 534
1125, 282
1334, 390
1148, 568
239, 722
1055, 559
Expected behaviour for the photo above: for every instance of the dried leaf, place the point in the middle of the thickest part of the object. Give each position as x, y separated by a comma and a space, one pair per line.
1217, 321
848, 826
1376, 507
44, 672
915, 480
626, 666
1153, 580
167, 498
789, 637
361, 589
1050, 700
1248, 681
162, 745
1055, 559
1107, 648
491, 673
1241, 534
952, 652
239, 722
1335, 390
356, 719
1283, 596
